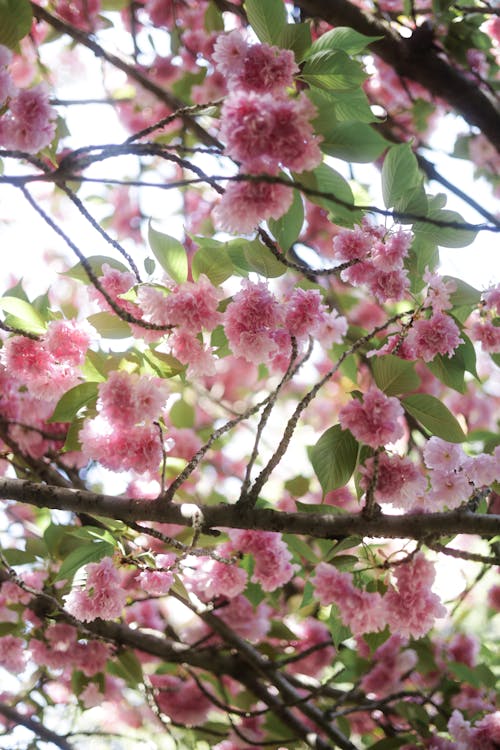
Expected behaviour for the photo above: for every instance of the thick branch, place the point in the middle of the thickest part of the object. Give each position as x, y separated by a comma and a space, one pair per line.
322, 526
409, 60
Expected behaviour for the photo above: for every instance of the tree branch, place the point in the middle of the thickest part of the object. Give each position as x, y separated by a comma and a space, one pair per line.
322, 526
41, 731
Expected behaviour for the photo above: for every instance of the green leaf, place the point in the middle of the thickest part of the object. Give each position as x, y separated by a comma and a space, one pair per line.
434, 416
464, 295
87, 553
95, 262
445, 236
333, 71
391, 743
300, 548
128, 667
15, 21
343, 38
327, 180
287, 229
297, 37
334, 457
213, 260
22, 314
109, 325
73, 400
213, 18
422, 255
354, 141
170, 254
394, 375
15, 556
182, 414
262, 261
341, 106
400, 174
449, 371
165, 365
267, 18
478, 677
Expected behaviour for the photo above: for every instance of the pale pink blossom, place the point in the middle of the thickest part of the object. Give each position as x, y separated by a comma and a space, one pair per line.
361, 611
310, 633
12, 654
189, 350
392, 662
492, 296
412, 607
448, 489
375, 421
399, 481
30, 124
181, 700
439, 291
248, 622
245, 204
250, 322
265, 132
126, 399
272, 558
102, 597
487, 333
438, 334
442, 455
256, 67
352, 244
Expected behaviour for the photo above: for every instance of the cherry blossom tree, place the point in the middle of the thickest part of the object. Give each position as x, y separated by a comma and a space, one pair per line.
249, 445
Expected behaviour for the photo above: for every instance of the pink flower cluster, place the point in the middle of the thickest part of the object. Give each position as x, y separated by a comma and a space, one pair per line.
392, 662
409, 609
412, 607
271, 555
28, 122
259, 328
399, 481
264, 130
374, 421
123, 435
102, 595
157, 582
379, 258
181, 700
311, 633
361, 611
79, 13
12, 654
61, 649
454, 475
485, 735
49, 366
209, 578
190, 307
485, 327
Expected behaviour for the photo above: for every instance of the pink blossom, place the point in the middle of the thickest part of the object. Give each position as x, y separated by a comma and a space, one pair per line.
492, 296
91, 657
264, 132
126, 399
412, 608
272, 558
155, 582
464, 648
352, 244
256, 67
448, 489
482, 469
69, 340
102, 595
439, 291
12, 654
30, 124
245, 204
181, 700
443, 456
399, 481
438, 334
391, 664
189, 350
79, 13
194, 305
247, 622
250, 321
361, 611
488, 334
310, 633
375, 420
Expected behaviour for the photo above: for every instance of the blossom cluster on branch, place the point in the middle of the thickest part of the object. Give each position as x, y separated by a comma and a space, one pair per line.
249, 435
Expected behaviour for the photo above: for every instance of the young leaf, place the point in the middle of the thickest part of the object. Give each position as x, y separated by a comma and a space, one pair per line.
15, 21
334, 457
434, 416
446, 236
354, 141
287, 229
214, 262
262, 261
72, 401
394, 375
267, 18
22, 314
109, 325
400, 173
327, 180
333, 71
170, 254
343, 38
